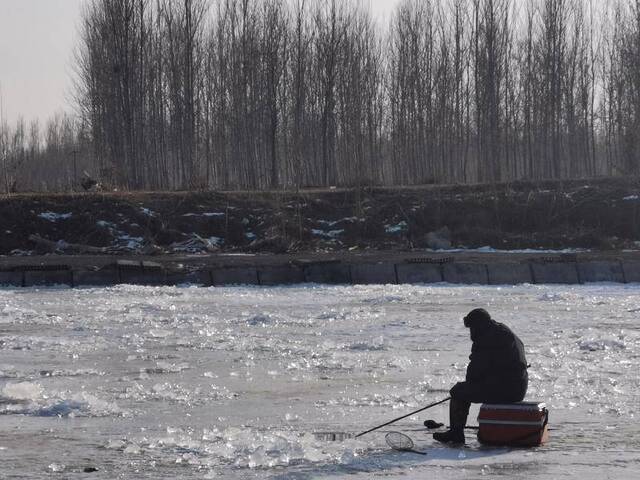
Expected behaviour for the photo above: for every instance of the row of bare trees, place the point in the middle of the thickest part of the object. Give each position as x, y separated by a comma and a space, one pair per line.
284, 94
50, 158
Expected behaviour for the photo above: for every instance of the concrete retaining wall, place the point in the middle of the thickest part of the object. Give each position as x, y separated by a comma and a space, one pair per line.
235, 276
592, 272
283, 275
333, 272
11, 279
563, 273
328, 273
41, 278
465, 273
412, 273
143, 277
201, 278
631, 272
373, 274
134, 272
99, 278
509, 273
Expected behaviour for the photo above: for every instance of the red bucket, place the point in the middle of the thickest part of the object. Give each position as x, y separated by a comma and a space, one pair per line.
522, 424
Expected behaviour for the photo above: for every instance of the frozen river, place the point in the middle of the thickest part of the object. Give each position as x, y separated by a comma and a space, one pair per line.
233, 383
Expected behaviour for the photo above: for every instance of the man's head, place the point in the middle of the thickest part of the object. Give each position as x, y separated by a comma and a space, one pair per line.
476, 318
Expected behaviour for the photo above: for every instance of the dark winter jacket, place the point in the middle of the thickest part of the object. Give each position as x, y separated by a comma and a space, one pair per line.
497, 371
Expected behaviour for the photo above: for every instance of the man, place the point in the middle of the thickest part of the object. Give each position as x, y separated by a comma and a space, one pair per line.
497, 372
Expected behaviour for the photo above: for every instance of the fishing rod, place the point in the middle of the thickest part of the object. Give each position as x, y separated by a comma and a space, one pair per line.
404, 416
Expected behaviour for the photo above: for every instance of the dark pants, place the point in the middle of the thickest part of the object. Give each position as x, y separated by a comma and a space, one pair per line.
463, 394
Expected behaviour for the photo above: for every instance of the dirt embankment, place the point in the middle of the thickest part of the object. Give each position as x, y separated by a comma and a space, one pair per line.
596, 214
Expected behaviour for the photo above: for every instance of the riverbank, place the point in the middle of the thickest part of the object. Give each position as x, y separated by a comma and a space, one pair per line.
600, 215
546, 232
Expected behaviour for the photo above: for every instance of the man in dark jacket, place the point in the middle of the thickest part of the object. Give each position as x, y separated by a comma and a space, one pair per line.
497, 372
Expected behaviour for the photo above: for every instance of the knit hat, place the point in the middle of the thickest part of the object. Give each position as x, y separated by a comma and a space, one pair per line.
478, 315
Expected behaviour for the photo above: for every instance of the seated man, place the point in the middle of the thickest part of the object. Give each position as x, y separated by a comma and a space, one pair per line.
497, 372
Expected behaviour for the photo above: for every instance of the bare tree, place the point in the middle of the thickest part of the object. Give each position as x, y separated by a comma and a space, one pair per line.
290, 93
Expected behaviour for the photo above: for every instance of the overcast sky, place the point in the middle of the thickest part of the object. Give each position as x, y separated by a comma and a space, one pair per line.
36, 51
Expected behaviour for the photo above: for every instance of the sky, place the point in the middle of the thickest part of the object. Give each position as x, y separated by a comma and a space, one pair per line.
37, 39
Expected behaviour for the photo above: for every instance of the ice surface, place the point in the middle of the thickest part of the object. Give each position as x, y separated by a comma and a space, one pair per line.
251, 382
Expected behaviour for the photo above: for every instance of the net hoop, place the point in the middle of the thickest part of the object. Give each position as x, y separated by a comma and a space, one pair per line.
399, 441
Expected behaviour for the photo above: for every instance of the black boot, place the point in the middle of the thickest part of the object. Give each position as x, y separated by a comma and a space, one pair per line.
454, 436
458, 412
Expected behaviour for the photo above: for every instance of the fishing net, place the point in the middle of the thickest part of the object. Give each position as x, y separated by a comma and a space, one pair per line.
399, 441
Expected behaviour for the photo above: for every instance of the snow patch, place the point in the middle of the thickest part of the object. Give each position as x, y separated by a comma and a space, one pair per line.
333, 223
54, 217
129, 242
400, 227
105, 224
329, 234
205, 214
